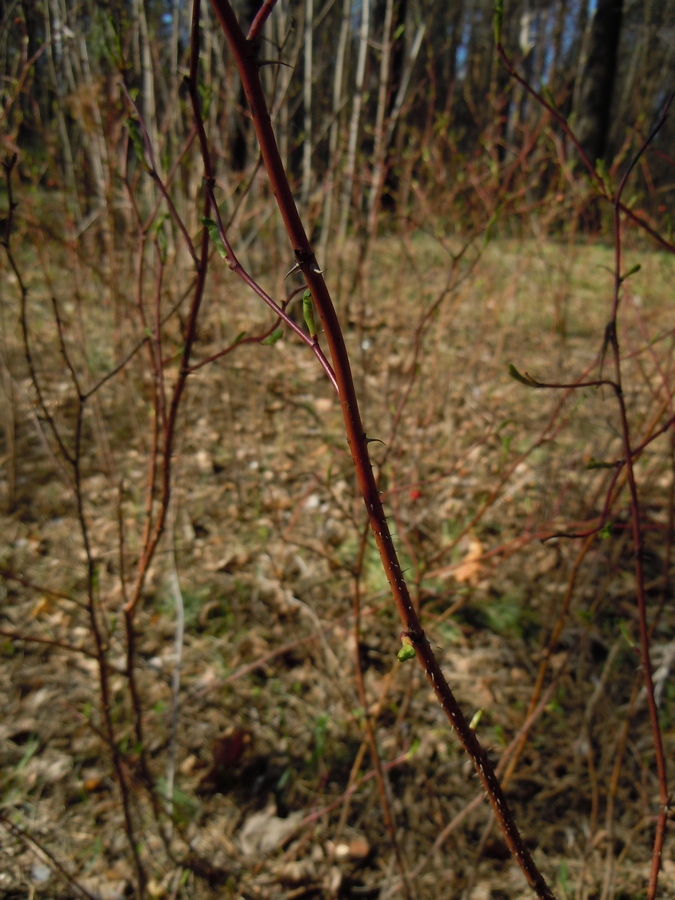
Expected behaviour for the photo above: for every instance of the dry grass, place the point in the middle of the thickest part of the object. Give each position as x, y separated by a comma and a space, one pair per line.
266, 530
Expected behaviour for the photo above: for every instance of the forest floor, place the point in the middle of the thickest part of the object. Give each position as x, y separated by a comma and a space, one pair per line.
274, 791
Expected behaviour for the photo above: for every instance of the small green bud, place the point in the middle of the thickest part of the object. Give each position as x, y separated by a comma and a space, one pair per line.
632, 271
477, 716
276, 335
523, 379
407, 650
214, 234
308, 313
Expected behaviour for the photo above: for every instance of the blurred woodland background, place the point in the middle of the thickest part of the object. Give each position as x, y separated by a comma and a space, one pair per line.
199, 682
385, 112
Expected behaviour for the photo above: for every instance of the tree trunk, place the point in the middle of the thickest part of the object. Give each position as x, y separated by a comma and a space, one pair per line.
595, 78
56, 69
307, 105
332, 167
379, 151
354, 123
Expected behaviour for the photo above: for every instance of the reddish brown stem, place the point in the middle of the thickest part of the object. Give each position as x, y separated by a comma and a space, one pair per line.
169, 427
73, 458
611, 341
261, 17
645, 641
245, 56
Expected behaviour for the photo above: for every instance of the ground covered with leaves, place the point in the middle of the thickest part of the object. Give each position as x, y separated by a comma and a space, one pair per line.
262, 778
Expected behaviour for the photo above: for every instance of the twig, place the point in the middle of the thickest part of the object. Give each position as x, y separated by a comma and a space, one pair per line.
595, 176
611, 343
509, 755
637, 532
73, 458
176, 593
50, 642
261, 17
21, 833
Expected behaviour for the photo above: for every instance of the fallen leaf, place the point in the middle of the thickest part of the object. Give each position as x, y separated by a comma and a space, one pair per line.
264, 831
43, 607
469, 570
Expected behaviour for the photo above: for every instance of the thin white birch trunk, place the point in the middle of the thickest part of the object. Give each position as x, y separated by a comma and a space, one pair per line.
175, 14
350, 167
331, 174
94, 137
405, 82
279, 109
307, 105
57, 73
148, 105
379, 150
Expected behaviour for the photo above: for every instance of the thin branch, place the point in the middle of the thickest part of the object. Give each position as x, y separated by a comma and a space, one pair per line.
23, 835
50, 642
261, 17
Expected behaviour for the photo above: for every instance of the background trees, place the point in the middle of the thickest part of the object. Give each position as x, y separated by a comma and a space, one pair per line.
178, 515
375, 103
